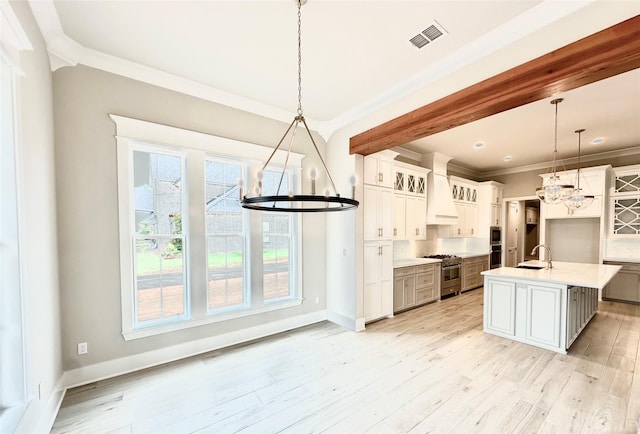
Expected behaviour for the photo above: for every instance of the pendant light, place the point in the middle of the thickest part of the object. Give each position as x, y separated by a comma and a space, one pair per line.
289, 202
553, 191
578, 199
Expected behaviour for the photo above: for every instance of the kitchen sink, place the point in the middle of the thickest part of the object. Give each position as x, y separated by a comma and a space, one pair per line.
530, 267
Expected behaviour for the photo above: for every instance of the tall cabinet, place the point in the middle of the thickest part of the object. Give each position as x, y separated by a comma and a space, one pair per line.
378, 235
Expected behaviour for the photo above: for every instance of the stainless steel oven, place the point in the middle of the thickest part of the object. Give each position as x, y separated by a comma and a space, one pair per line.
495, 235
451, 278
495, 258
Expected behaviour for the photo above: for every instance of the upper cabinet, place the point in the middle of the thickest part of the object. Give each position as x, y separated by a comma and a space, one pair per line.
378, 169
410, 202
624, 206
593, 180
463, 190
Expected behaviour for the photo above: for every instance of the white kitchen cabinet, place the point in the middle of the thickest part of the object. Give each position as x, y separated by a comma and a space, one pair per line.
416, 218
415, 286
500, 307
399, 217
378, 213
409, 217
593, 180
378, 169
496, 215
463, 190
624, 206
531, 216
543, 314
467, 226
378, 280
410, 179
409, 203
496, 194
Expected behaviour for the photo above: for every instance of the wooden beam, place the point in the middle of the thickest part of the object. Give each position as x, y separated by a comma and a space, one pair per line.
602, 55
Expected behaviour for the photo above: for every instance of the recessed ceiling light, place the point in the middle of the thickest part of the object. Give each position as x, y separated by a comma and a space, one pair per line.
507, 158
478, 145
597, 141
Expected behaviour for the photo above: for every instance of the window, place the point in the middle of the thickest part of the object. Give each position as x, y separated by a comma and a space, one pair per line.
159, 267
184, 264
276, 244
225, 236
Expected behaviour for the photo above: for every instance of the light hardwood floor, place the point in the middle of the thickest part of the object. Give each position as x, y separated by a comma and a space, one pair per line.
431, 369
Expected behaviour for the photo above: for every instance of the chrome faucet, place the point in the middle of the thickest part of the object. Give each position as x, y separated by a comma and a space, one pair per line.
549, 264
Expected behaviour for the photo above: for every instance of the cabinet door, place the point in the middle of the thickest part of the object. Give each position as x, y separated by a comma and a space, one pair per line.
543, 315
399, 217
378, 280
471, 221
378, 170
372, 292
496, 215
378, 213
416, 217
500, 307
398, 293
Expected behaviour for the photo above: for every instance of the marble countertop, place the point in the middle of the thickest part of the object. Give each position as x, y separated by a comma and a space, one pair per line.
412, 262
632, 260
565, 273
465, 255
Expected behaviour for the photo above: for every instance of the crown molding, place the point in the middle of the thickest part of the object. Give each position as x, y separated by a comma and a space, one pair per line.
63, 51
569, 161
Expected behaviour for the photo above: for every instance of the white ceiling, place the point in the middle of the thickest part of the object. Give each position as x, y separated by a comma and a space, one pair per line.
357, 62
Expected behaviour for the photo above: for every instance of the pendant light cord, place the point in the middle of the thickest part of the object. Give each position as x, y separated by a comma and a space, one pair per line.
299, 58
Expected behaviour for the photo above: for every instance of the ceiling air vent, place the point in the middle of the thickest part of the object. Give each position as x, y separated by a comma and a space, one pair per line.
430, 34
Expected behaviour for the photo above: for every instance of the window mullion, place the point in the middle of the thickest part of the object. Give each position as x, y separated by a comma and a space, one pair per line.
197, 249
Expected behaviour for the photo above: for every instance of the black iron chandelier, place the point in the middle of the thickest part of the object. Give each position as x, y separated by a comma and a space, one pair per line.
329, 201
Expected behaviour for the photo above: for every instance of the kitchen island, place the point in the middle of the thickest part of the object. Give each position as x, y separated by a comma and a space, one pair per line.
544, 307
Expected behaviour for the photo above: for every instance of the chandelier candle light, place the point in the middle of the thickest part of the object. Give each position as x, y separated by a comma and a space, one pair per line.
553, 191
297, 202
578, 200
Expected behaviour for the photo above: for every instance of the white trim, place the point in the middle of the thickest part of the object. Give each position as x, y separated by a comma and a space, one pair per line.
124, 365
153, 133
12, 37
186, 323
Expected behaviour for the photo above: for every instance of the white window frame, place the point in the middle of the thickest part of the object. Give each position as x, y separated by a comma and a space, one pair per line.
198, 146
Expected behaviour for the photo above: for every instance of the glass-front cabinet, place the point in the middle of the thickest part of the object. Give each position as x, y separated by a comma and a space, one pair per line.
625, 202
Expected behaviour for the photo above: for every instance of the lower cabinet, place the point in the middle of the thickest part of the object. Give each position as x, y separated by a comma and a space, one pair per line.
378, 280
471, 269
415, 286
625, 286
546, 315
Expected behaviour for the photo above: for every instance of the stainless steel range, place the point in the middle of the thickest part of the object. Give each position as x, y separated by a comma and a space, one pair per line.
451, 279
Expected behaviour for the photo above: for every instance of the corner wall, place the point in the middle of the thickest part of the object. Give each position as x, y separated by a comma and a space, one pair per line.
36, 178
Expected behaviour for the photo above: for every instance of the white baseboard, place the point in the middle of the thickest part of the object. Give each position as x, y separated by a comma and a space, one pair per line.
341, 320
124, 365
39, 417
359, 324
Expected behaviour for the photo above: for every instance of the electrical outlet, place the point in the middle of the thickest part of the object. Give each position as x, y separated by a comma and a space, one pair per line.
83, 348
317, 300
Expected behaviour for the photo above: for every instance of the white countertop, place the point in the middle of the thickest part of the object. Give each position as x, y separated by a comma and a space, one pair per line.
565, 273
465, 255
412, 262
632, 260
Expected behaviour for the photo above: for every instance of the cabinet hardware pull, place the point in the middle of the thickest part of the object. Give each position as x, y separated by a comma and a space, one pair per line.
380, 177
417, 231
395, 232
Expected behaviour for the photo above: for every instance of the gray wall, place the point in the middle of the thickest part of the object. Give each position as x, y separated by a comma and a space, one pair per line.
38, 225
88, 207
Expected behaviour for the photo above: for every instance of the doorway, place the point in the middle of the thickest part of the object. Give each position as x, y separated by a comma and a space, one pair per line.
522, 231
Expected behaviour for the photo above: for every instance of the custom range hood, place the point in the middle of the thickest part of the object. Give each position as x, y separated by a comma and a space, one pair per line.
440, 207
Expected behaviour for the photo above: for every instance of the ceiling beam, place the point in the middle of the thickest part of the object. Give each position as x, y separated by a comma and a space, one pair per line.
602, 55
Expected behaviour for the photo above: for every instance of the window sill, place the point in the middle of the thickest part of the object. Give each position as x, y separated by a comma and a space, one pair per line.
210, 319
